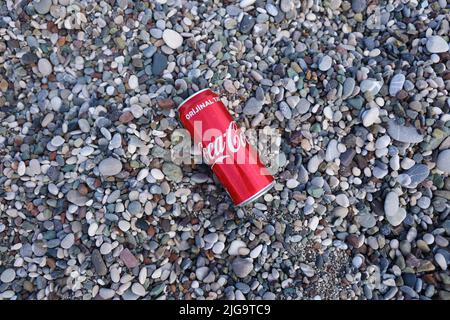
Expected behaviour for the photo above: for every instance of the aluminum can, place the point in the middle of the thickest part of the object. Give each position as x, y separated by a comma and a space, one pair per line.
225, 148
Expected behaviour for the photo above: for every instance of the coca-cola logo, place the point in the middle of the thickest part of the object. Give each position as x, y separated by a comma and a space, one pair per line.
225, 145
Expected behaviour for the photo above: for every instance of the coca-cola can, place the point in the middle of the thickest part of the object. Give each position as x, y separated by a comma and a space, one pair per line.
225, 148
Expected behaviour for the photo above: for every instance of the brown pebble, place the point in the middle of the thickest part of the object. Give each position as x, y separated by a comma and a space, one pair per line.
361, 161
151, 231
210, 255
52, 27
445, 56
97, 183
429, 278
147, 260
194, 221
198, 206
402, 95
155, 163
83, 189
51, 263
126, 117
61, 41
305, 144
446, 75
28, 286
173, 257
18, 140
97, 75
3, 85
352, 240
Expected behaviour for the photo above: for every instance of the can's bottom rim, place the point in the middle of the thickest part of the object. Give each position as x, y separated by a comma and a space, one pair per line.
191, 96
257, 195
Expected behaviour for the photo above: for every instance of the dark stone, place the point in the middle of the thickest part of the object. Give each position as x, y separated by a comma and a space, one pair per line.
356, 102
296, 138
142, 224
29, 58
361, 161
377, 206
409, 279
279, 69
72, 125
347, 157
165, 225
247, 24
384, 264
319, 261
53, 173
385, 230
279, 17
349, 141
99, 264
217, 222
369, 43
12, 44
352, 240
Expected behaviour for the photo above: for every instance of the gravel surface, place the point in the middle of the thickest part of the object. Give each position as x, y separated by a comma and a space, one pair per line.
93, 206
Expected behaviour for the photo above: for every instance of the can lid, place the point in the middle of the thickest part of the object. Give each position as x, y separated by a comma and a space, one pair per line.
191, 96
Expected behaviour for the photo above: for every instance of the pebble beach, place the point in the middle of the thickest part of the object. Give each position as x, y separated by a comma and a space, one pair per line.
93, 206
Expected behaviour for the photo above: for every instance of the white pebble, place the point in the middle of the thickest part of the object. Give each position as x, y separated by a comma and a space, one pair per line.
233, 250
57, 141
370, 116
45, 67
105, 248
256, 251
142, 174
218, 247
440, 260
172, 38
246, 3
21, 168
92, 229
157, 174
124, 225
292, 183
133, 82
313, 223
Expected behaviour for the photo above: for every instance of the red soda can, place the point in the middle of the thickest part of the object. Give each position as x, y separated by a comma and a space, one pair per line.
225, 148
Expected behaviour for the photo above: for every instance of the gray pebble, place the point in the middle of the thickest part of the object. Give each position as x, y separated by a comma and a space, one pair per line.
242, 266
110, 167
252, 106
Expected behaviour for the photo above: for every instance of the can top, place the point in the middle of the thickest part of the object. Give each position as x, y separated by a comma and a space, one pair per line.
190, 97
